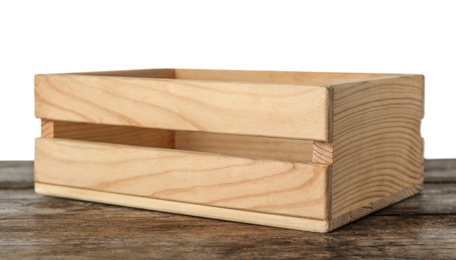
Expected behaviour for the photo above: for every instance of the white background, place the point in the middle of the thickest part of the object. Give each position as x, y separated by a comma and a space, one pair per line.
342, 36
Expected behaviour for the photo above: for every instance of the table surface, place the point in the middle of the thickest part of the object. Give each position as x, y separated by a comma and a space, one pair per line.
36, 226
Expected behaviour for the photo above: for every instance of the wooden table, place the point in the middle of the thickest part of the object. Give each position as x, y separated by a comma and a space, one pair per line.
35, 226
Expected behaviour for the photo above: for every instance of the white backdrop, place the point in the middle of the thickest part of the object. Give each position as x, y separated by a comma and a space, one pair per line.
342, 36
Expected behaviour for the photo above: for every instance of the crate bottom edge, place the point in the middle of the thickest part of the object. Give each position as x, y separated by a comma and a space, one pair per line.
243, 216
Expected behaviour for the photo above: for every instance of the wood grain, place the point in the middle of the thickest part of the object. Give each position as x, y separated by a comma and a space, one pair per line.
147, 137
365, 210
322, 153
146, 73
289, 111
248, 146
274, 187
184, 208
378, 150
33, 226
278, 77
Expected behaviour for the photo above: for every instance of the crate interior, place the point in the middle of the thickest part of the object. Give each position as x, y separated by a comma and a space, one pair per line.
236, 145
277, 77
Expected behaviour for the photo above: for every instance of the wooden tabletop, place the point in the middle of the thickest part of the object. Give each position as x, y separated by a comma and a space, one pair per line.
35, 226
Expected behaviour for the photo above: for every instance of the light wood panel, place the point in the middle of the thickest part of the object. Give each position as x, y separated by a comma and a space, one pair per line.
108, 134
147, 73
378, 150
290, 111
185, 208
248, 146
275, 187
281, 77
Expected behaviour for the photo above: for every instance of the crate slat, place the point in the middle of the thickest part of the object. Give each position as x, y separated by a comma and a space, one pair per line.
276, 110
276, 187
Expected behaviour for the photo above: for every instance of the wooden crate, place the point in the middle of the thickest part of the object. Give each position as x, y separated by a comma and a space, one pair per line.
301, 150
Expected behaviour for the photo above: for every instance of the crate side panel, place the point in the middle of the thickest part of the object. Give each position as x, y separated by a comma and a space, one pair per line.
289, 111
378, 149
275, 187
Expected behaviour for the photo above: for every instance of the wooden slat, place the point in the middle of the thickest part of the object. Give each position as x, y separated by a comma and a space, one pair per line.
274, 187
248, 146
184, 208
378, 150
289, 111
281, 77
147, 73
147, 137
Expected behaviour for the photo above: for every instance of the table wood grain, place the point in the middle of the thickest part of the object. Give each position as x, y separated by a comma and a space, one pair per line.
35, 227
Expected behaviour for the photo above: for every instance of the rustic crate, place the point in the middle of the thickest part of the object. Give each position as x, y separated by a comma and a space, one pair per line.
301, 150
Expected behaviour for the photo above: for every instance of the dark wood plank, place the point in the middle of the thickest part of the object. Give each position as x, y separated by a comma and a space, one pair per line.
441, 170
35, 226
435, 199
68, 228
16, 174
